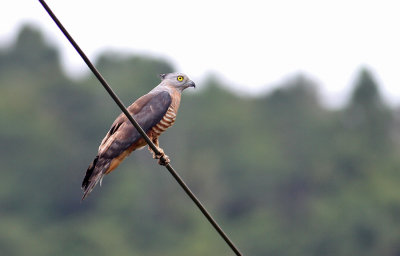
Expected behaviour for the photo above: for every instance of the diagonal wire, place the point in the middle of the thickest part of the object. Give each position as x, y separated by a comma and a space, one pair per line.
140, 130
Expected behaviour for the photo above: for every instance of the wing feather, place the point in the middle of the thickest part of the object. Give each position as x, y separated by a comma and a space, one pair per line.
147, 111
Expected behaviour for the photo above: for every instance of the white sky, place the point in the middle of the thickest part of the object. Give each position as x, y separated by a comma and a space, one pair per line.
252, 45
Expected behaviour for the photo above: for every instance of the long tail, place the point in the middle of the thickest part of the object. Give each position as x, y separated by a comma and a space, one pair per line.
94, 174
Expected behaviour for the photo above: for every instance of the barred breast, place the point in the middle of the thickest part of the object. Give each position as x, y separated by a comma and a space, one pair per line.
167, 121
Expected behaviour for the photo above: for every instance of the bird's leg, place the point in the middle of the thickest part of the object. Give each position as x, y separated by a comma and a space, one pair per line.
155, 156
163, 159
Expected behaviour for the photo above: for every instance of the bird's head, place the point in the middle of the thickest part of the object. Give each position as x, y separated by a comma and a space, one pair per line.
178, 81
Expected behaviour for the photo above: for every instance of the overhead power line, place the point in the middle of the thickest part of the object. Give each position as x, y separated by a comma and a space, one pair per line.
140, 130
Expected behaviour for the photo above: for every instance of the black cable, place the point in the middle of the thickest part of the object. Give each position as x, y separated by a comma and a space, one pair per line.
140, 130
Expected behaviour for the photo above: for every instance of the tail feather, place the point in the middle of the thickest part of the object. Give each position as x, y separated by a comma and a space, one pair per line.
94, 174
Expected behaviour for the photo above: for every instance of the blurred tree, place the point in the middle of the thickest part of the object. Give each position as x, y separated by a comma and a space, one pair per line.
367, 114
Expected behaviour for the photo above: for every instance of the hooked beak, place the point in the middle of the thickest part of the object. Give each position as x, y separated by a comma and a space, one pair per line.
190, 83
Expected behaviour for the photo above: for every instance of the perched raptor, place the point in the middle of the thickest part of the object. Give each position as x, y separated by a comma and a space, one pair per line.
154, 111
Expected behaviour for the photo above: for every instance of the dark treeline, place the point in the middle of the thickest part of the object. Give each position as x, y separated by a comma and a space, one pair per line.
281, 173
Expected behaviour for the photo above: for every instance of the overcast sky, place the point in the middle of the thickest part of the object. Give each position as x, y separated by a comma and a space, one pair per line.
251, 45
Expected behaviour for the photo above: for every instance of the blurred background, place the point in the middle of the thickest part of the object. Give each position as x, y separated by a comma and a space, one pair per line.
290, 160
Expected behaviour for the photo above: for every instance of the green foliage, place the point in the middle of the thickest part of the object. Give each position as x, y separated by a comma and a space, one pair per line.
282, 174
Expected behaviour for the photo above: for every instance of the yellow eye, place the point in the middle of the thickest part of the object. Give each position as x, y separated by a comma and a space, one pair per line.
180, 78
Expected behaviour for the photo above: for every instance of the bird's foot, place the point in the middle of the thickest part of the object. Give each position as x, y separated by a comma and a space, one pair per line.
158, 156
163, 159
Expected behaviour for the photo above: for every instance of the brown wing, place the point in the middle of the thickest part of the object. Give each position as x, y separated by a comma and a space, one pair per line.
123, 134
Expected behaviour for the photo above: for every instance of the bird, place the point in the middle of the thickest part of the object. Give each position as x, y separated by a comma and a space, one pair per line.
155, 112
